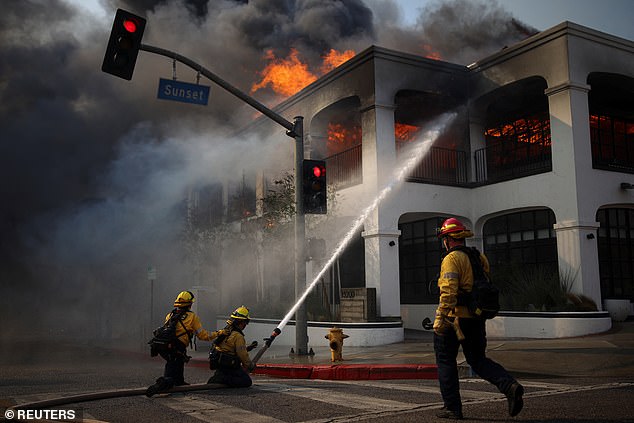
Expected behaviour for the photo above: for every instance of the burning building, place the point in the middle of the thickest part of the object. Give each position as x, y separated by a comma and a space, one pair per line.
538, 160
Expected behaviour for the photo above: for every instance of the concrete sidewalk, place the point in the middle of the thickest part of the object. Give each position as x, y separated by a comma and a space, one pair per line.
610, 354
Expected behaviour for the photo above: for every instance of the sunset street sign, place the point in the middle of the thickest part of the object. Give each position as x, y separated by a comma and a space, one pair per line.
170, 89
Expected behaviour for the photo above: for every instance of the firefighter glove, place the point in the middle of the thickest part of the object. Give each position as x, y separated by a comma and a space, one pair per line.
252, 346
442, 325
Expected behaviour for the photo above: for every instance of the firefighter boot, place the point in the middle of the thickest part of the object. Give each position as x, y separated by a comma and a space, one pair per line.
515, 400
162, 384
445, 413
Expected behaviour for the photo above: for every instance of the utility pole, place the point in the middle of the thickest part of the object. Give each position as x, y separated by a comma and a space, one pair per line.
296, 131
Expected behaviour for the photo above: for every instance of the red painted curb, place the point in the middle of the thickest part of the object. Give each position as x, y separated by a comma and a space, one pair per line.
349, 371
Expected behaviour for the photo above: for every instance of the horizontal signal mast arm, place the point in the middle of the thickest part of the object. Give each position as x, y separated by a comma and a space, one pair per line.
224, 84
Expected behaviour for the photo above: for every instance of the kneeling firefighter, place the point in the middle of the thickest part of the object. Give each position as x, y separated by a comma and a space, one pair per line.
229, 353
181, 325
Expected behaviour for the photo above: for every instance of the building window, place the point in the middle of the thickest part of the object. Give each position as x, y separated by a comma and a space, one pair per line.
516, 148
419, 261
612, 142
616, 252
525, 238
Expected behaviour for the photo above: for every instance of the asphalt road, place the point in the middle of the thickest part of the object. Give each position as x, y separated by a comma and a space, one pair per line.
43, 371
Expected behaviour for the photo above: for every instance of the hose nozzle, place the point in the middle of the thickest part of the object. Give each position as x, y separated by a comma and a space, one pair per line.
268, 341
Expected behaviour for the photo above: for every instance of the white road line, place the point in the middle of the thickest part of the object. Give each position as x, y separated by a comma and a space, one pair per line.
342, 399
211, 411
466, 393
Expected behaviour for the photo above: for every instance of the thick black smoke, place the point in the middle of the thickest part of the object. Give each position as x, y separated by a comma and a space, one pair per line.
95, 169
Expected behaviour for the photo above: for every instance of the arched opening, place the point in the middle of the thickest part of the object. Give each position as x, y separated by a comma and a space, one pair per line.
446, 161
616, 252
612, 121
517, 132
336, 137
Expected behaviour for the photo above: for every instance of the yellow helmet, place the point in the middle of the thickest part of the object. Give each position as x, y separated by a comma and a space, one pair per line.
240, 313
184, 299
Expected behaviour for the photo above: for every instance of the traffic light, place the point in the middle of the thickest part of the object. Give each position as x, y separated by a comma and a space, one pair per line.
123, 45
314, 184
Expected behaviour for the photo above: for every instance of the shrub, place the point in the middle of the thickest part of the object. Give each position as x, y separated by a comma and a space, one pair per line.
539, 288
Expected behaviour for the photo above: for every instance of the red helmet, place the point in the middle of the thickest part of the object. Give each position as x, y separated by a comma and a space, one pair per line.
454, 228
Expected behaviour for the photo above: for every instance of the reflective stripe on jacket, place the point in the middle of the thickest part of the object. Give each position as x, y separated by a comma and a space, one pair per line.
456, 276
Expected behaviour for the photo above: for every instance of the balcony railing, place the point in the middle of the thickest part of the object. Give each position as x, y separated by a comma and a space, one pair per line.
509, 160
344, 169
494, 163
441, 166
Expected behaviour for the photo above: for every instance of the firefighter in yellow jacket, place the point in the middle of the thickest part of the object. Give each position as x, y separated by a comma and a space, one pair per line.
187, 325
229, 355
455, 326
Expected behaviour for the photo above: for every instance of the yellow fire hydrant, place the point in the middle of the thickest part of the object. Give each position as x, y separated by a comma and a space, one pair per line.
336, 337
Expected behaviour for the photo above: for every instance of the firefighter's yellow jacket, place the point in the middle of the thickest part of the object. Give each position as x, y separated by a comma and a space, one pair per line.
235, 344
456, 276
191, 322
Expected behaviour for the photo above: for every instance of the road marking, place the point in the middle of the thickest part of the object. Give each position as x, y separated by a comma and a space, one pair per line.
417, 388
371, 412
212, 411
365, 407
337, 398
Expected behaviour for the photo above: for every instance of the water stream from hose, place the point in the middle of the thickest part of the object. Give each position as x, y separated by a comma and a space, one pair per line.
415, 155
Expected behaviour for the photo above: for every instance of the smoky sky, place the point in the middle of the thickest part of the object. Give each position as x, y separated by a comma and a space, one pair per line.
95, 169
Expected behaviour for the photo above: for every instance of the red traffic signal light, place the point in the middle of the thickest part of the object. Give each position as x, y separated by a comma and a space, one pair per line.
314, 186
318, 171
130, 25
124, 44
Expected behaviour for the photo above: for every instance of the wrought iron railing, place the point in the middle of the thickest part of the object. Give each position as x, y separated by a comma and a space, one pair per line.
344, 169
441, 166
509, 160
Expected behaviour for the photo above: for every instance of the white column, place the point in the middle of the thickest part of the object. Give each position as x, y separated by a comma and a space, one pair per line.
378, 146
572, 162
476, 142
381, 269
578, 252
380, 235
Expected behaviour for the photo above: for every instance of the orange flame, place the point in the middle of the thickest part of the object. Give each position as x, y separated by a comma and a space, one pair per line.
528, 130
288, 76
404, 132
430, 53
342, 137
285, 76
334, 58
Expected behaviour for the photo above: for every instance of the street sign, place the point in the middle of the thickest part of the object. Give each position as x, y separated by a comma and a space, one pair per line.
151, 273
170, 89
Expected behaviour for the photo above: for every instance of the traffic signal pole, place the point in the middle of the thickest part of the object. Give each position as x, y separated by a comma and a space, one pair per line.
301, 325
296, 131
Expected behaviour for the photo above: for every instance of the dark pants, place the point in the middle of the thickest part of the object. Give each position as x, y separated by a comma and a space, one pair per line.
175, 366
473, 347
235, 377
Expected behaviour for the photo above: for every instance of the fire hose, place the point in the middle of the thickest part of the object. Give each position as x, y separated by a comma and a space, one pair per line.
267, 343
120, 393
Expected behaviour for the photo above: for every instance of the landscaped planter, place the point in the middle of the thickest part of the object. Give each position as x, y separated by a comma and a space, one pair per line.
360, 334
517, 324
511, 324
619, 309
